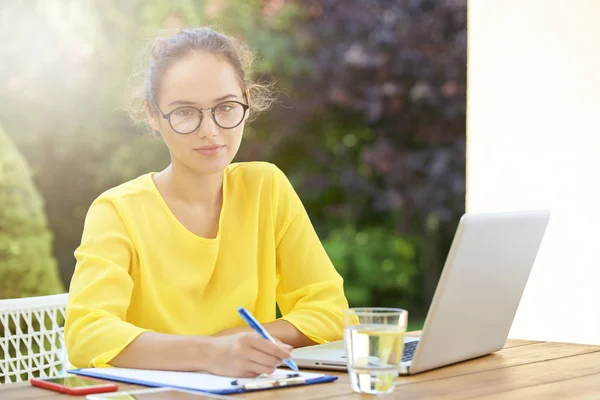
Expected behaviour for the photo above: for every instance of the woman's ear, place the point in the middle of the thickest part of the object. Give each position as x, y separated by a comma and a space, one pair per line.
247, 102
152, 120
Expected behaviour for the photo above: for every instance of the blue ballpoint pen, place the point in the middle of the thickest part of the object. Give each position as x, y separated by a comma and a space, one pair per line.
254, 324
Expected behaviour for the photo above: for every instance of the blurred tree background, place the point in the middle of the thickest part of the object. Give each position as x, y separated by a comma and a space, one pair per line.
27, 267
370, 125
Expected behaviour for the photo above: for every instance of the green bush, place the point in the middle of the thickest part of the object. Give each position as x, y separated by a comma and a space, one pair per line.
27, 267
378, 265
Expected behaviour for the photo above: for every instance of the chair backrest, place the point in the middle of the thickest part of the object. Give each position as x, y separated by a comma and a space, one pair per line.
32, 338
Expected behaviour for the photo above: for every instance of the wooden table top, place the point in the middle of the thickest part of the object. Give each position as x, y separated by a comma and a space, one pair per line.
522, 369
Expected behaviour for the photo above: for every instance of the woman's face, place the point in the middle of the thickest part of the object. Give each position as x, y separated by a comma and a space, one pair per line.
200, 80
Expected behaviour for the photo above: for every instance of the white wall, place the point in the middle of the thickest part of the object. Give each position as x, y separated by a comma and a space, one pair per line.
533, 140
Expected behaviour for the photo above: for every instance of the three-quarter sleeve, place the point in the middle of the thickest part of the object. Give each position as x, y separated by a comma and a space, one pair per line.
310, 292
100, 290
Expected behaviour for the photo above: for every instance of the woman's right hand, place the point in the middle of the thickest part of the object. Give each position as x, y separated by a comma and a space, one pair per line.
246, 354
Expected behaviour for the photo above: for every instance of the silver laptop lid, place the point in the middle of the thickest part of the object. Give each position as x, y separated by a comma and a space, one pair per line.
481, 286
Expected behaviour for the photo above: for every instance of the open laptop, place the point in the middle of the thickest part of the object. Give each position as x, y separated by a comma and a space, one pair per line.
476, 298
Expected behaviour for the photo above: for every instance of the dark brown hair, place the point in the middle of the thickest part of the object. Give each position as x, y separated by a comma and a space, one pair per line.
162, 52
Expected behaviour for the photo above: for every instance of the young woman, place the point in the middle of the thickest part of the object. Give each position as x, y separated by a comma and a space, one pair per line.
167, 258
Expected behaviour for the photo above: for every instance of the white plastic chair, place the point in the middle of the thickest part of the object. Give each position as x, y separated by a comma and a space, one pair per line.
32, 338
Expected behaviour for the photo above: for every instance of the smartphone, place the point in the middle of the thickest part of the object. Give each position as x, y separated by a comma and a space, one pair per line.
157, 394
74, 384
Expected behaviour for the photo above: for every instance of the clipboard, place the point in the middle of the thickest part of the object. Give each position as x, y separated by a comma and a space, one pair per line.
203, 382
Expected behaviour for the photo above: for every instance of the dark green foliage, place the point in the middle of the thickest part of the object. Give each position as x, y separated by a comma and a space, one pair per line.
376, 136
378, 267
27, 267
381, 114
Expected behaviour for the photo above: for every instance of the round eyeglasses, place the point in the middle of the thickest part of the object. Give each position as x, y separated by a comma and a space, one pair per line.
185, 120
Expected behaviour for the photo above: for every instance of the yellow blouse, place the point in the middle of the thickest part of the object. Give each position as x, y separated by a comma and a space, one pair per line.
139, 269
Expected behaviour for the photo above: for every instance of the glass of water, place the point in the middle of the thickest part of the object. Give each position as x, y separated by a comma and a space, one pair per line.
374, 342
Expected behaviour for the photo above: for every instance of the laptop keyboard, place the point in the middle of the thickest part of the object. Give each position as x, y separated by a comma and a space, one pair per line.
409, 350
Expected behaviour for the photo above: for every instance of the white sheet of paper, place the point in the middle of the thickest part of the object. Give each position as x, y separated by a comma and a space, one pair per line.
188, 380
